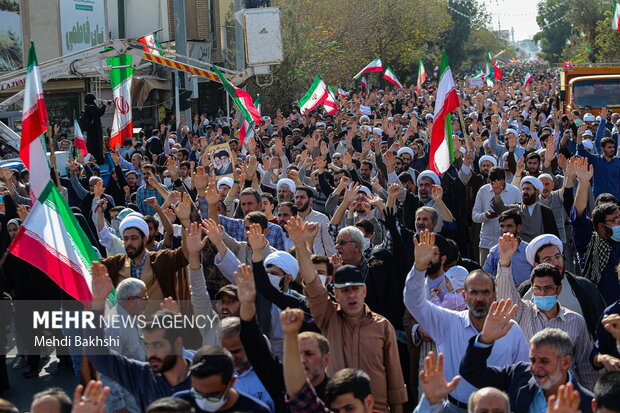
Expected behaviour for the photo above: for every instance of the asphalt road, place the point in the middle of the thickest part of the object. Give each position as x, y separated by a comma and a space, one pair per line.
22, 389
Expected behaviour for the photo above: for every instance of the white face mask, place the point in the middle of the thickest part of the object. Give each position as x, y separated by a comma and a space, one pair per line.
275, 281
167, 182
211, 406
323, 278
366, 244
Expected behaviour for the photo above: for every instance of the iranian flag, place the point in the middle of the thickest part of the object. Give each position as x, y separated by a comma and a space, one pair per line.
342, 93
374, 66
447, 100
314, 97
120, 80
242, 99
150, 41
52, 240
330, 104
615, 17
34, 126
247, 128
528, 79
364, 84
421, 76
436, 71
479, 74
391, 77
79, 141
490, 70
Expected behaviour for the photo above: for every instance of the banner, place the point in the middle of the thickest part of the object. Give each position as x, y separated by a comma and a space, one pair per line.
82, 24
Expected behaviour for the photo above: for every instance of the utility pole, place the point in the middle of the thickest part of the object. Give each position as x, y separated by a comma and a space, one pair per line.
239, 40
182, 78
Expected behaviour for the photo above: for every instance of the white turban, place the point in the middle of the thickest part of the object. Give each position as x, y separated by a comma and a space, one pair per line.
364, 189
485, 143
430, 175
537, 243
126, 211
364, 118
588, 133
367, 127
535, 182
225, 181
513, 131
589, 117
487, 158
406, 149
457, 275
378, 131
548, 176
134, 220
288, 182
284, 261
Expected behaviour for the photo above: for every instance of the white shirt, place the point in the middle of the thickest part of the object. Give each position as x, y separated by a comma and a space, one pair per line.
489, 235
451, 331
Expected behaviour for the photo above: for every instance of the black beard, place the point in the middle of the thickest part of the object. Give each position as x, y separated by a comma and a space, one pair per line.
434, 268
138, 252
167, 363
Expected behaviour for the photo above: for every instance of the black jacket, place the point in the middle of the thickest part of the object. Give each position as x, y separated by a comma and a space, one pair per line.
515, 380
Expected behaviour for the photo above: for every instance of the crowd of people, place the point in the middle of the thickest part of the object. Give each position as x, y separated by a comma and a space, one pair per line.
346, 275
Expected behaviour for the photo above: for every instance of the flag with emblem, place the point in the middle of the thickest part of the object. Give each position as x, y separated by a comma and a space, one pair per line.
374, 66
120, 80
391, 77
421, 76
151, 43
314, 96
79, 142
330, 104
242, 99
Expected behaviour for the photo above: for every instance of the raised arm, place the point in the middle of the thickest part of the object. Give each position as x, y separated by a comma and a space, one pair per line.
584, 174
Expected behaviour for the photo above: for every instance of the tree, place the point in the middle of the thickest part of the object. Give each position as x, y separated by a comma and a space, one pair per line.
466, 17
552, 18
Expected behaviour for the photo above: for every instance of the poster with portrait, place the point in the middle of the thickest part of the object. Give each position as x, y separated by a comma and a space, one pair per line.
222, 162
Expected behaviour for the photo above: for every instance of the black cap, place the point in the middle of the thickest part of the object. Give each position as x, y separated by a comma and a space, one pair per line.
348, 275
230, 290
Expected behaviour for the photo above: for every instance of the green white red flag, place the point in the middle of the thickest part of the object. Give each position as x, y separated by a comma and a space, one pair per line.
342, 93
242, 99
421, 76
391, 77
615, 17
247, 128
374, 66
364, 84
441, 151
52, 240
330, 104
78, 138
314, 97
120, 80
34, 125
151, 43
528, 79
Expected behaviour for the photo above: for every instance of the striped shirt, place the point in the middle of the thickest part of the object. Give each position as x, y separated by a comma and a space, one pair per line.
532, 320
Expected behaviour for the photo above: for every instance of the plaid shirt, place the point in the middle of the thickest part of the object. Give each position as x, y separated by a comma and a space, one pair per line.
236, 229
306, 401
136, 269
144, 193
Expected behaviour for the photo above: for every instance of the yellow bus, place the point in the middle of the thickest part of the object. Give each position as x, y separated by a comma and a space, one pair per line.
582, 88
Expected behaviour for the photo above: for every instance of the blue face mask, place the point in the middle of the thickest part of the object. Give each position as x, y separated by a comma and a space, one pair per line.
615, 233
545, 302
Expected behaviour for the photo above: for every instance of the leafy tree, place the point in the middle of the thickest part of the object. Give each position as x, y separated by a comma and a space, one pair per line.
556, 29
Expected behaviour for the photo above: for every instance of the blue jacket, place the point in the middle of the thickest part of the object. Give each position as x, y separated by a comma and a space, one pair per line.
516, 380
606, 173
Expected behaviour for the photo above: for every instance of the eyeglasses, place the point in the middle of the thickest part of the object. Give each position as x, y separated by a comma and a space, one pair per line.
341, 242
549, 260
546, 290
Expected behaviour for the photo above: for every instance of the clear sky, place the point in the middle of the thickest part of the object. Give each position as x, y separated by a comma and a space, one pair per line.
520, 14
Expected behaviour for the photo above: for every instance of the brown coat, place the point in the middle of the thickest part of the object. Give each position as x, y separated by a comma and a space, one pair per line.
370, 345
168, 269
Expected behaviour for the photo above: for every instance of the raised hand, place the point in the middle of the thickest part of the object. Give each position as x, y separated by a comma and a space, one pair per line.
393, 190
434, 384
101, 284
291, 319
211, 194
246, 289
310, 232
213, 230
90, 399
437, 193
193, 240
295, 228
200, 179
425, 250
22, 212
255, 237
184, 207
508, 245
152, 202
336, 261
351, 192
498, 321
170, 304
583, 171
98, 189
566, 401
